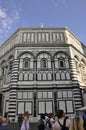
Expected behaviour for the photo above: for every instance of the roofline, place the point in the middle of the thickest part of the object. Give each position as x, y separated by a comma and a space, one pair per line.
43, 28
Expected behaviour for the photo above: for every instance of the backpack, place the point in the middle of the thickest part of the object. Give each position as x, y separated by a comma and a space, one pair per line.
41, 125
63, 127
49, 123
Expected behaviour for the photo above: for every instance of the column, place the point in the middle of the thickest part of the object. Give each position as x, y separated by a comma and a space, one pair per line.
55, 101
35, 64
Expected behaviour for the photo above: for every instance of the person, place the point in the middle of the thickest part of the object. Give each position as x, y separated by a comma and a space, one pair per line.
62, 121
84, 119
6, 119
52, 119
25, 124
76, 123
0, 121
41, 122
20, 120
5, 122
49, 121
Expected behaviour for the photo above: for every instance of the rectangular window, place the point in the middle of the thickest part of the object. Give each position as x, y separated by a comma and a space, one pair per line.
61, 63
24, 106
24, 37
69, 106
59, 94
43, 63
64, 94
62, 106
39, 37
44, 94
45, 107
19, 95
24, 95
28, 37
58, 37
70, 94
49, 107
10, 65
26, 64
20, 107
62, 37
28, 107
39, 94
47, 37
30, 94
54, 37
50, 95
32, 37
66, 105
43, 37
41, 107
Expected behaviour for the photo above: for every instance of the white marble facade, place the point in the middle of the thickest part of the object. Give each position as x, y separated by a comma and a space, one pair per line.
42, 70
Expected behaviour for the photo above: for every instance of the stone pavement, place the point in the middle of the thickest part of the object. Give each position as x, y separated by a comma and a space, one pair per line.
14, 126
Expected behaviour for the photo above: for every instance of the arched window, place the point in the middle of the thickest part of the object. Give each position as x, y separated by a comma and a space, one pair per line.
77, 63
44, 76
68, 75
21, 76
49, 76
61, 62
43, 63
30, 76
26, 63
10, 65
62, 76
57, 76
39, 76
25, 76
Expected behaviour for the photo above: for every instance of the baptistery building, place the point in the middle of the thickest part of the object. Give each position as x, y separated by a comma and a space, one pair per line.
42, 70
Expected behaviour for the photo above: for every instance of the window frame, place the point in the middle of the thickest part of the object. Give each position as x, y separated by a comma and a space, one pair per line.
24, 102
26, 60
61, 60
45, 106
65, 102
44, 63
10, 65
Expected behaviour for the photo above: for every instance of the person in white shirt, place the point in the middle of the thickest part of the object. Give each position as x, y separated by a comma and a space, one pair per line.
25, 125
52, 119
61, 118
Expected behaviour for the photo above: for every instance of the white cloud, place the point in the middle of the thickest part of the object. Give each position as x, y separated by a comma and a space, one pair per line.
57, 3
8, 19
3, 13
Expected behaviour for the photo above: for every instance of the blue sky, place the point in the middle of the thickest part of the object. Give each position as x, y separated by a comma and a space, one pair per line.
15, 14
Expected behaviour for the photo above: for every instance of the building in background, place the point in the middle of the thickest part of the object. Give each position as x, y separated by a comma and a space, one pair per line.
42, 70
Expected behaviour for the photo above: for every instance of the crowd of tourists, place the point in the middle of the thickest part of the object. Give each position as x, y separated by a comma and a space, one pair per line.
61, 122
54, 122
48, 122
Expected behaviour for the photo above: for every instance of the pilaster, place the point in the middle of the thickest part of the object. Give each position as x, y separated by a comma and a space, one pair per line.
13, 93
